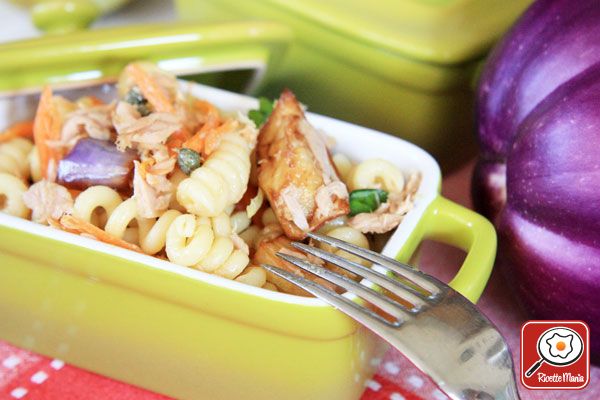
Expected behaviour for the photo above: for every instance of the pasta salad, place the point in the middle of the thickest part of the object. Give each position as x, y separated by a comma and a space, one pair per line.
160, 172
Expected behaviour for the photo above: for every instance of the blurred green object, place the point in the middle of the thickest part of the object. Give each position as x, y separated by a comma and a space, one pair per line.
240, 53
400, 66
61, 16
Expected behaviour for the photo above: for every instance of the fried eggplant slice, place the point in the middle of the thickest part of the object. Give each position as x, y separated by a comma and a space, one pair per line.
295, 171
266, 253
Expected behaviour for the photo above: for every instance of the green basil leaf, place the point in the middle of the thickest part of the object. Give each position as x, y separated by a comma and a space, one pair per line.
366, 200
265, 108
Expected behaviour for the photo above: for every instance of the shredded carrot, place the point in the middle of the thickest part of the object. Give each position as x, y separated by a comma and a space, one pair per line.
18, 129
208, 112
75, 225
46, 127
196, 142
57, 225
210, 119
155, 95
177, 139
213, 136
208, 138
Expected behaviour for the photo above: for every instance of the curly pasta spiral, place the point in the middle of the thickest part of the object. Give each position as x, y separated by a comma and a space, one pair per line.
14, 172
350, 235
33, 158
150, 234
343, 165
221, 181
205, 243
376, 173
253, 276
13, 157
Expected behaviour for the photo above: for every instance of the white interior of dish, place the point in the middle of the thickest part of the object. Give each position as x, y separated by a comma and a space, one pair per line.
356, 142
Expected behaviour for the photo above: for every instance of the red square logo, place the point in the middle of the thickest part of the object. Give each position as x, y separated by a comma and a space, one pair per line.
555, 355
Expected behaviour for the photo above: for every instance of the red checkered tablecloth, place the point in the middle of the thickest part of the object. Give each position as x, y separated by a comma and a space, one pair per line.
24, 375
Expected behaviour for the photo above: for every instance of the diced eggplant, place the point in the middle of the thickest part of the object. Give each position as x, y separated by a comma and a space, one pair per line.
96, 162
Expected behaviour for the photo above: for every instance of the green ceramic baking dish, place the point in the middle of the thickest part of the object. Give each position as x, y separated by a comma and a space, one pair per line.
192, 335
400, 66
237, 56
172, 329
60, 16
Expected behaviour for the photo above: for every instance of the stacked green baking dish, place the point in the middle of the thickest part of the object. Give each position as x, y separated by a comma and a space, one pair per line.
400, 66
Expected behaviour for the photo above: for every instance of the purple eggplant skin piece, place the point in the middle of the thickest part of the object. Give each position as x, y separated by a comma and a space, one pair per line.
94, 162
550, 227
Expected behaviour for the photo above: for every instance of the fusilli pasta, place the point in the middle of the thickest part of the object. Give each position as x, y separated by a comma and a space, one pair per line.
223, 178
206, 244
376, 173
149, 233
14, 172
343, 165
350, 235
33, 158
254, 276
13, 157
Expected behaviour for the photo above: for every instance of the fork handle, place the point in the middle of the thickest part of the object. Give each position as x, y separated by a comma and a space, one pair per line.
534, 368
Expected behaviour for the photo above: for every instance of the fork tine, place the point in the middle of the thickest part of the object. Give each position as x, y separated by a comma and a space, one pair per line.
408, 293
426, 282
385, 303
352, 309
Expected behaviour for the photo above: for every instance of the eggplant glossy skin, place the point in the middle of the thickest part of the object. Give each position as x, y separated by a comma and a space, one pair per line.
94, 162
553, 41
550, 226
554, 276
538, 112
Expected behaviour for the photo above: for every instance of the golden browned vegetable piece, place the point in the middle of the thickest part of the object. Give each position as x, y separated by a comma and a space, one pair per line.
296, 172
266, 253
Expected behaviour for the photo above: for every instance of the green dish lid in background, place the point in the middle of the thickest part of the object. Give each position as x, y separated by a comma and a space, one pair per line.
437, 31
406, 67
429, 45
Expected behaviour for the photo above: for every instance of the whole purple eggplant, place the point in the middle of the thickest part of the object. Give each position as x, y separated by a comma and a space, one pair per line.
538, 177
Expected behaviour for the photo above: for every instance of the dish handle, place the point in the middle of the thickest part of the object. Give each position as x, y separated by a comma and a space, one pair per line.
447, 222
62, 16
90, 57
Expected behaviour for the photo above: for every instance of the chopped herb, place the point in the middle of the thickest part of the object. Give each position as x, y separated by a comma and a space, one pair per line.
188, 160
265, 108
136, 98
366, 200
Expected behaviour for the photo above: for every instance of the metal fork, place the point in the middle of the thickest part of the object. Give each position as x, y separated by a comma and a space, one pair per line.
440, 331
